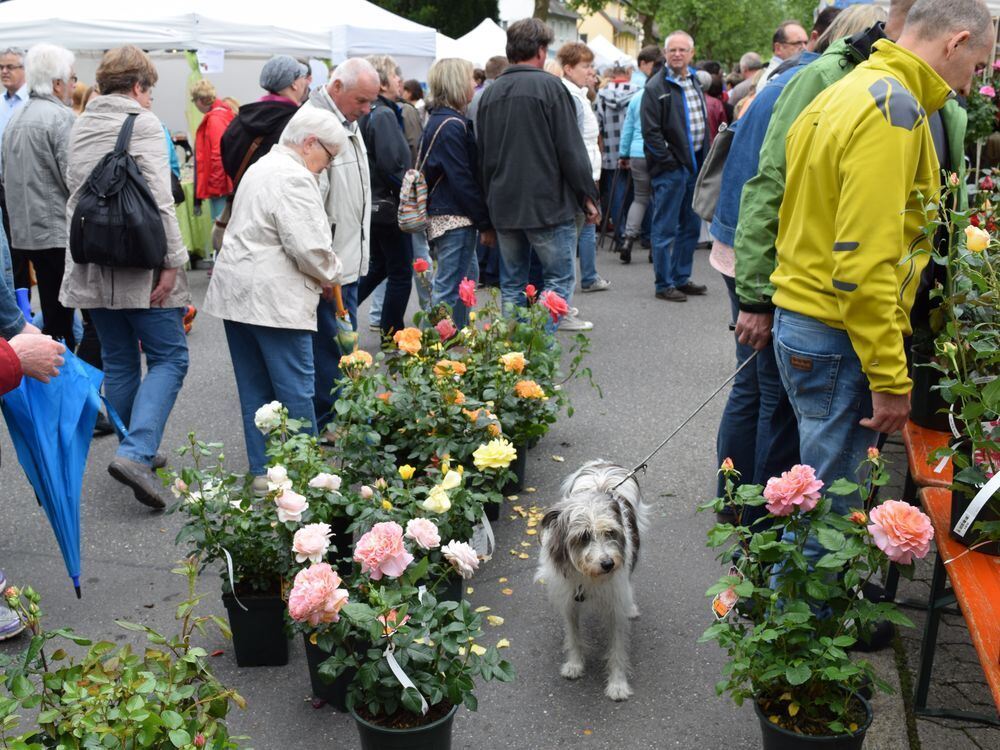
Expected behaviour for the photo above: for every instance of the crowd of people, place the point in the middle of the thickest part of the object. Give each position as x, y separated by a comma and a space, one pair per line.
829, 142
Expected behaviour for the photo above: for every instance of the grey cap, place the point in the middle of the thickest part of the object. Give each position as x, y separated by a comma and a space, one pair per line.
280, 72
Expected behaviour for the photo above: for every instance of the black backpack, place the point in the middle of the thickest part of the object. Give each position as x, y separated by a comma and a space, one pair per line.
117, 221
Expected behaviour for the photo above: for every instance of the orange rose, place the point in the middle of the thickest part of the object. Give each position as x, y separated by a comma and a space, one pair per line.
384, 396
493, 428
528, 389
408, 340
513, 362
354, 362
446, 367
472, 415
456, 397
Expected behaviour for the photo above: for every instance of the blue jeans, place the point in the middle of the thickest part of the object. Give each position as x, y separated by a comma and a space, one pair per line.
675, 228
456, 252
270, 364
587, 247
615, 203
421, 249
556, 249
143, 404
830, 394
325, 351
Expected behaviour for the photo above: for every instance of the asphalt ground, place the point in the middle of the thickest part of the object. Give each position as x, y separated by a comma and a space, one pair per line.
654, 360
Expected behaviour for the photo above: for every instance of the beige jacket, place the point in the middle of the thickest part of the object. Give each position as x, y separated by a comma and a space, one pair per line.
94, 135
277, 249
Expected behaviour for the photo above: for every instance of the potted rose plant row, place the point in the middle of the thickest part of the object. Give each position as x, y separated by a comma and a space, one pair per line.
790, 609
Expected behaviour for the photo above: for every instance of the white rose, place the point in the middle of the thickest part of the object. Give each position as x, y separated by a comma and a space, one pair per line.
452, 479
324, 481
268, 417
277, 478
291, 506
462, 557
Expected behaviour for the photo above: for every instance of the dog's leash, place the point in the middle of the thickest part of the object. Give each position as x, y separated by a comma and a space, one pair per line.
642, 464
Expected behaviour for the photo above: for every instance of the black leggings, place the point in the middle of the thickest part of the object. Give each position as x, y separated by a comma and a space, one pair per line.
391, 259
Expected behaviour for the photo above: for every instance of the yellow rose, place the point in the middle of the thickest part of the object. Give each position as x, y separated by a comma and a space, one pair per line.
408, 340
513, 362
528, 389
406, 472
472, 316
976, 239
446, 367
437, 500
452, 479
386, 505
496, 454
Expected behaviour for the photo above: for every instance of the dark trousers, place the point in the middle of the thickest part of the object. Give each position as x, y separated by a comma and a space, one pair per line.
49, 265
391, 259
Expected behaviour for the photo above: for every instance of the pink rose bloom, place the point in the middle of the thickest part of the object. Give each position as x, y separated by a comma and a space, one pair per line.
311, 542
462, 557
988, 91
315, 597
555, 304
277, 479
467, 292
291, 506
446, 328
901, 531
381, 551
366, 492
323, 481
796, 487
424, 532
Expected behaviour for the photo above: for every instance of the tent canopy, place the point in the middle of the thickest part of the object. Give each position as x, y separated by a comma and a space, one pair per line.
484, 42
606, 54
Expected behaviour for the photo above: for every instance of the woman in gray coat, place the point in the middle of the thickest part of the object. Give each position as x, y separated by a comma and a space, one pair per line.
129, 305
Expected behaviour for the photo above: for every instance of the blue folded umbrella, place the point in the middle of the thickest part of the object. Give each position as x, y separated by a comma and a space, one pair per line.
51, 426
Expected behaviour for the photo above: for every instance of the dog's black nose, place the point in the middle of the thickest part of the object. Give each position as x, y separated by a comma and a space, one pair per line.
607, 565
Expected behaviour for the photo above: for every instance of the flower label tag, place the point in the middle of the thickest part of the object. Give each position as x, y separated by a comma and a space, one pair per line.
724, 602
981, 498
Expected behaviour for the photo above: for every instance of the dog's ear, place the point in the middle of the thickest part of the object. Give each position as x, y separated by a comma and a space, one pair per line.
550, 518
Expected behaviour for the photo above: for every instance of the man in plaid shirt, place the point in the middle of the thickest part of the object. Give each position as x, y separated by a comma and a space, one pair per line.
674, 132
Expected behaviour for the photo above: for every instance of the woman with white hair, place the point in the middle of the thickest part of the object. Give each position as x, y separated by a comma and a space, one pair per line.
35, 146
275, 262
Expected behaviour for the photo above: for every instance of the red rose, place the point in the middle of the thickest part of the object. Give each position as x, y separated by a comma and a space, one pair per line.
530, 292
986, 183
974, 220
555, 304
467, 292
446, 329
421, 266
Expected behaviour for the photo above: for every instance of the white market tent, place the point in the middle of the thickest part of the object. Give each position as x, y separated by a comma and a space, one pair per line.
483, 42
448, 47
606, 54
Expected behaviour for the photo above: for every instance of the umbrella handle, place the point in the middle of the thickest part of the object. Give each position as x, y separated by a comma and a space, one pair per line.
338, 301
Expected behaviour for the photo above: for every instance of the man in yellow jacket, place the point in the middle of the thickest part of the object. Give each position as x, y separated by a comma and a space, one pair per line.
862, 168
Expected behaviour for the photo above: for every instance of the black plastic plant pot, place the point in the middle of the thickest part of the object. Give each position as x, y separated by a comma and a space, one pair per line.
433, 736
927, 407
779, 738
519, 466
961, 497
343, 541
453, 590
492, 511
259, 632
335, 692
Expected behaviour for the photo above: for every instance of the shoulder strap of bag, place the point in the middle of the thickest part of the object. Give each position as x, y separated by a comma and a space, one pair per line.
125, 134
246, 160
422, 161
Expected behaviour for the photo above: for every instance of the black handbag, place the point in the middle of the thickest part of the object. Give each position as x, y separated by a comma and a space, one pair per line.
117, 221
708, 186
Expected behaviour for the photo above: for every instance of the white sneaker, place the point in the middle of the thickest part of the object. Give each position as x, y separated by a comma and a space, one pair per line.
10, 623
259, 487
598, 286
374, 327
571, 322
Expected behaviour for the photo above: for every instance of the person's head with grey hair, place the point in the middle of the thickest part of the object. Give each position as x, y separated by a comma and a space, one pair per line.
389, 76
954, 38
848, 23
12, 69
316, 136
750, 63
49, 71
678, 51
354, 85
283, 75
528, 42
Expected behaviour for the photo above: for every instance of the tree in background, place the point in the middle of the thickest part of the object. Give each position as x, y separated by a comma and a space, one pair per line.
451, 18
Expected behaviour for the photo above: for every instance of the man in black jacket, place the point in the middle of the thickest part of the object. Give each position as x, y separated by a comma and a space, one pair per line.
675, 140
533, 166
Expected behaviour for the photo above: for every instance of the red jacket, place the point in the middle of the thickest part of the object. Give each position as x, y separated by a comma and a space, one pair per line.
716, 116
211, 180
10, 368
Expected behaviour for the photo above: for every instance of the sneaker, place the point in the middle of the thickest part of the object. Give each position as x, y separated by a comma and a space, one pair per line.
571, 322
10, 623
146, 486
693, 289
672, 295
260, 488
375, 327
598, 286
625, 252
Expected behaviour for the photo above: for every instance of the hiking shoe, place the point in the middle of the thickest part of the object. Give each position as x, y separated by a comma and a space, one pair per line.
672, 295
10, 623
598, 286
103, 425
259, 486
159, 460
625, 252
146, 486
693, 289
572, 322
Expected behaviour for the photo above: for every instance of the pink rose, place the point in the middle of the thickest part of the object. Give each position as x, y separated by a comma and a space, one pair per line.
311, 542
988, 91
323, 481
366, 492
423, 532
315, 597
381, 551
555, 304
467, 292
291, 506
796, 487
462, 557
901, 531
446, 329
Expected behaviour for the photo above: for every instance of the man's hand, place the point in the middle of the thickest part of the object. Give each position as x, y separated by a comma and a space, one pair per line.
624, 164
30, 328
889, 412
592, 212
326, 290
40, 355
168, 277
754, 329
488, 237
